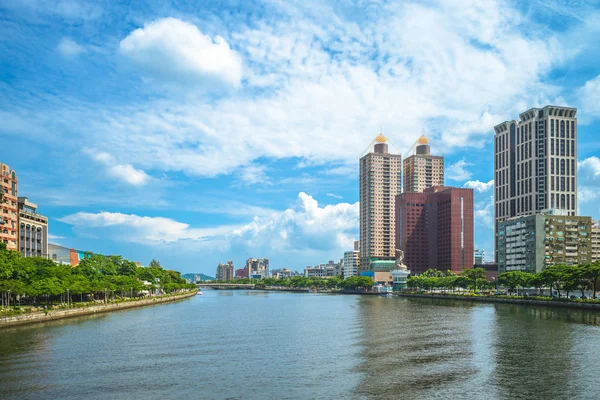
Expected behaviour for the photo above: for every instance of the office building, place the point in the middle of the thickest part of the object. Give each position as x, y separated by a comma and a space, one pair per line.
535, 164
531, 243
422, 170
380, 182
225, 272
257, 268
435, 229
479, 256
33, 230
8, 207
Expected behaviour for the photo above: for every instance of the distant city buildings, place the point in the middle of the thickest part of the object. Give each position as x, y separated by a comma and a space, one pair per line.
380, 182
225, 272
324, 270
257, 268
33, 230
241, 273
422, 170
283, 273
8, 207
351, 263
479, 256
435, 229
531, 243
535, 164
596, 241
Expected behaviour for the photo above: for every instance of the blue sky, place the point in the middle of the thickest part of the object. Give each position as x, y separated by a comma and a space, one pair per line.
215, 130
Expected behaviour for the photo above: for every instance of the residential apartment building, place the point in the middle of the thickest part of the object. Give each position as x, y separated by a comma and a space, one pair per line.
351, 263
435, 229
380, 182
422, 170
479, 256
596, 241
324, 270
33, 230
535, 164
225, 272
531, 243
8, 207
257, 268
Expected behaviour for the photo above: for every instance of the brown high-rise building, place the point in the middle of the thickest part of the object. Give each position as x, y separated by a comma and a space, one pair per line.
423, 170
380, 182
8, 207
435, 229
225, 271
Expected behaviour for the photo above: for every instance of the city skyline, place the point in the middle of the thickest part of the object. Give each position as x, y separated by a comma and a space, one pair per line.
254, 153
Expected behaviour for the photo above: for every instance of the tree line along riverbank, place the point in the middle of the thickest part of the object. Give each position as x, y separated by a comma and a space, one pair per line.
30, 284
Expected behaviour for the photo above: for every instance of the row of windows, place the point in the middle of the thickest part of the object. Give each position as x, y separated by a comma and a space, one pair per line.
563, 184
562, 148
563, 127
563, 167
562, 201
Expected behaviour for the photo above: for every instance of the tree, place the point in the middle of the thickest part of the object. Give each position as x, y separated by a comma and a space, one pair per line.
591, 272
155, 264
473, 275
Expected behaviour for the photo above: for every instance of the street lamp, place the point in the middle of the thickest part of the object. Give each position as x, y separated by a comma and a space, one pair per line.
131, 293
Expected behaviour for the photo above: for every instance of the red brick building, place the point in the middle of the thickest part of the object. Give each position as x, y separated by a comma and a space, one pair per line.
435, 229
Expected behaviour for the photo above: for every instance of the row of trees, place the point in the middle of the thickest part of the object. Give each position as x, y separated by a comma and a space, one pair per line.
95, 277
334, 282
567, 278
434, 279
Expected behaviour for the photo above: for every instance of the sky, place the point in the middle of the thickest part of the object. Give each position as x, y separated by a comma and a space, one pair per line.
200, 132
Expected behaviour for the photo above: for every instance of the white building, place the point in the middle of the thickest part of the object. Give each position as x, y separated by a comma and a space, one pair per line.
351, 263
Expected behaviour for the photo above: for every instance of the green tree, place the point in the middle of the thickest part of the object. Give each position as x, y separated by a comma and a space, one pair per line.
591, 272
155, 264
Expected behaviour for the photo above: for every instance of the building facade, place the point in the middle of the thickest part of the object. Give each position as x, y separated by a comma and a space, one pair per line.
435, 229
596, 241
535, 164
324, 270
351, 263
380, 182
531, 243
479, 256
9, 227
257, 268
240, 273
33, 230
423, 170
225, 272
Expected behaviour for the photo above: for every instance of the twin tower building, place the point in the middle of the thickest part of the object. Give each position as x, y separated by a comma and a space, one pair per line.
411, 211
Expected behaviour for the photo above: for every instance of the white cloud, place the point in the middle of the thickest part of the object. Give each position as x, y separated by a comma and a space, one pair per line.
54, 237
173, 50
458, 171
305, 227
335, 196
590, 167
70, 48
587, 194
480, 186
140, 229
253, 174
123, 172
589, 100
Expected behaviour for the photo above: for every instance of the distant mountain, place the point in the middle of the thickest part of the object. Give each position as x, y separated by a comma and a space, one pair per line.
197, 277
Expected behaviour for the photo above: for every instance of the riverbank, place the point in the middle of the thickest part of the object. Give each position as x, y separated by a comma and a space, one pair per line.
39, 317
524, 301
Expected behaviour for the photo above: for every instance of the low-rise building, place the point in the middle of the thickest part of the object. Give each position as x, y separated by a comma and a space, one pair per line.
531, 243
225, 271
33, 230
351, 263
324, 270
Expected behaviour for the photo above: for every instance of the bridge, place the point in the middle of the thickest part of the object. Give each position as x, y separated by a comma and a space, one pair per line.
222, 286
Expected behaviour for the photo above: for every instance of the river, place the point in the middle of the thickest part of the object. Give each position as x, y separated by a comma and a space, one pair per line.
273, 345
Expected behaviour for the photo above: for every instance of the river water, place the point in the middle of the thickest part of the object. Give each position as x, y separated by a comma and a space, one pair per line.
270, 345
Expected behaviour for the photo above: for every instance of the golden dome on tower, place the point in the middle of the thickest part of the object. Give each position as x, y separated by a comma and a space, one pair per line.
380, 138
422, 140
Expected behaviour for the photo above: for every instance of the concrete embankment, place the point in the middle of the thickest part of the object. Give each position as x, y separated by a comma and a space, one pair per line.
52, 315
524, 302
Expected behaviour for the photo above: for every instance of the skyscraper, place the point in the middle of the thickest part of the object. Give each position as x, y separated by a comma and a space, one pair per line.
435, 229
535, 164
422, 170
225, 271
380, 182
8, 207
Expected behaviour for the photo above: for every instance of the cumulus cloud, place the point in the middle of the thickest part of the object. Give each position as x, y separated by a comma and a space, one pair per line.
590, 167
123, 172
479, 186
589, 100
69, 48
307, 226
141, 229
169, 49
458, 171
253, 174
